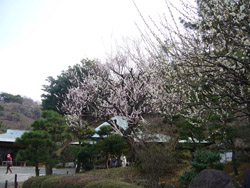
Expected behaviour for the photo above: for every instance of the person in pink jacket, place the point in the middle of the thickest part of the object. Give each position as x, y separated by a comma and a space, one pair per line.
9, 164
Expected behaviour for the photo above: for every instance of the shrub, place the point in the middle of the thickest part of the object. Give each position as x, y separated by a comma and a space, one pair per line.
84, 180
37, 183
219, 166
69, 181
52, 182
86, 157
204, 159
187, 177
28, 182
110, 184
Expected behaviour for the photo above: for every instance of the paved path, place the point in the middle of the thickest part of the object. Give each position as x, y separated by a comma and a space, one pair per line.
24, 173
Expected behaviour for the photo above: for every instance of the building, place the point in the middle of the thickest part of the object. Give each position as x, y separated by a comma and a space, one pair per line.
7, 143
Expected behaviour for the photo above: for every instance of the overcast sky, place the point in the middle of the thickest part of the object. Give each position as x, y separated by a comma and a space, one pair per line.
41, 38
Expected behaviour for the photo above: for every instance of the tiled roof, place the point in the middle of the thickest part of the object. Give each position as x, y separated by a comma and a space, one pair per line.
121, 122
11, 135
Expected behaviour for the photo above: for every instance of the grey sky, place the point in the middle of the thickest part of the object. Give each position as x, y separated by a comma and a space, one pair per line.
40, 38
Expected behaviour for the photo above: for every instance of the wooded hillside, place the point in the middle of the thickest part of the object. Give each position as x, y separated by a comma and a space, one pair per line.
17, 112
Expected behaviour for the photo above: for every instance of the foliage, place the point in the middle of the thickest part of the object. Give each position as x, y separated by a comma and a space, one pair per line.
228, 134
154, 159
68, 181
202, 159
58, 87
69, 154
55, 125
204, 57
52, 182
189, 129
80, 129
118, 88
37, 182
86, 156
6, 97
28, 182
19, 115
37, 146
110, 184
72, 181
185, 178
105, 131
113, 145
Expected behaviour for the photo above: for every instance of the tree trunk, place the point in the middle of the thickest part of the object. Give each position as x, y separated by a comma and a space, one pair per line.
37, 170
234, 161
78, 167
108, 162
132, 145
48, 169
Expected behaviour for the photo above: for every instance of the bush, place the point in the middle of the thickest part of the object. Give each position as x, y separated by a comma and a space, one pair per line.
219, 166
187, 177
86, 157
52, 182
204, 159
84, 180
28, 182
37, 183
69, 181
73, 181
110, 184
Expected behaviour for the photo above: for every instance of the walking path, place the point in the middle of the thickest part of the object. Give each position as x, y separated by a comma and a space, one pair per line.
24, 173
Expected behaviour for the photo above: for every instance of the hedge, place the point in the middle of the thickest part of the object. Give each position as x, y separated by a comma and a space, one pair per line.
74, 181
110, 184
37, 183
28, 182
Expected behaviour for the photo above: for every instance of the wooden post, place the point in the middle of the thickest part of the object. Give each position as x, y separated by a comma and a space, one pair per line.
6, 184
16, 181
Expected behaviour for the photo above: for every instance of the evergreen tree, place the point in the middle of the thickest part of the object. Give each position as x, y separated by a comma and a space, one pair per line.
37, 145
55, 125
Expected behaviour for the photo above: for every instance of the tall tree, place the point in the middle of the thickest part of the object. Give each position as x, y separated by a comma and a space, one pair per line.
37, 146
52, 99
208, 54
119, 88
55, 125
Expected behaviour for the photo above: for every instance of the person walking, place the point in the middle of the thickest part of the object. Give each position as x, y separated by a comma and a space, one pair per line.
9, 164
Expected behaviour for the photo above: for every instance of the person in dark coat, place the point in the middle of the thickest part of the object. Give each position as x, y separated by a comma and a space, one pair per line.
247, 180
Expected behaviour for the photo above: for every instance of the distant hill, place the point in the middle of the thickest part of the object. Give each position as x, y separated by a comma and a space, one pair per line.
17, 112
